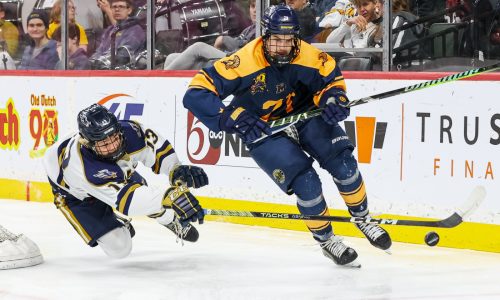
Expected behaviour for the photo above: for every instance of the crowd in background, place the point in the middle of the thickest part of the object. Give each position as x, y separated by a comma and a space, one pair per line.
193, 34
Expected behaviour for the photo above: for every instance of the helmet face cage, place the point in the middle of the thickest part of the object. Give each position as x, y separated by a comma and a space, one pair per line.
102, 132
280, 20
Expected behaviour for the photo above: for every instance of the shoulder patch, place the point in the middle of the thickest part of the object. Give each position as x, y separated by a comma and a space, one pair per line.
231, 62
246, 61
323, 57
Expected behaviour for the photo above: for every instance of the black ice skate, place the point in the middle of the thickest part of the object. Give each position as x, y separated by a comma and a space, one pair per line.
377, 235
341, 254
187, 233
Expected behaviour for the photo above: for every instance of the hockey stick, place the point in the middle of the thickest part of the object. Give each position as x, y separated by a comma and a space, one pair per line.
475, 198
411, 88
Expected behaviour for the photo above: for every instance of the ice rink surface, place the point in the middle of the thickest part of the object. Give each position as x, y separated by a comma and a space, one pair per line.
233, 262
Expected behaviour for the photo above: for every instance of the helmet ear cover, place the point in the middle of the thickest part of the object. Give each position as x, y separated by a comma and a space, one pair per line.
96, 124
280, 20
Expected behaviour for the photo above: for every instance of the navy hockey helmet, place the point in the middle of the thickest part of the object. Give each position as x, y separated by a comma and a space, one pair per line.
280, 20
102, 133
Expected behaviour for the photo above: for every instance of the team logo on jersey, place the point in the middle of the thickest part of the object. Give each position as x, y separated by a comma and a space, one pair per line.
232, 63
259, 84
279, 176
280, 88
106, 174
323, 57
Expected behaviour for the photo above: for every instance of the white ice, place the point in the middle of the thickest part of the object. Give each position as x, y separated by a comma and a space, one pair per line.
233, 262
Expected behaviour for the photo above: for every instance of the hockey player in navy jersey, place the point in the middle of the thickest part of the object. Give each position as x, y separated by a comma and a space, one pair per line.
274, 76
94, 171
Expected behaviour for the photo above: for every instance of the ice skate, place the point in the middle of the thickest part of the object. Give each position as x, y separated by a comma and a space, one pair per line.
188, 233
377, 235
341, 254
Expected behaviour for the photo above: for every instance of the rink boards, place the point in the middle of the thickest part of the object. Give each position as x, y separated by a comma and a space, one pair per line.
420, 153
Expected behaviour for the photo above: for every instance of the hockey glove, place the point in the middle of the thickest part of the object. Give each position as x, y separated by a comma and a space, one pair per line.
334, 110
186, 207
191, 176
242, 122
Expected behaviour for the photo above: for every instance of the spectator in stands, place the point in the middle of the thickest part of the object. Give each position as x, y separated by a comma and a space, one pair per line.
105, 6
78, 59
195, 57
9, 35
337, 15
359, 31
55, 21
322, 7
200, 55
495, 41
231, 44
130, 36
307, 19
237, 18
41, 54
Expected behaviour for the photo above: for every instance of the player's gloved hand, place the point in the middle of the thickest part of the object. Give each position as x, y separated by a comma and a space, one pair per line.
335, 109
191, 176
247, 125
186, 207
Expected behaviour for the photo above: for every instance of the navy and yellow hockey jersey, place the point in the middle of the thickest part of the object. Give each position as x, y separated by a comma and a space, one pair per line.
74, 171
268, 91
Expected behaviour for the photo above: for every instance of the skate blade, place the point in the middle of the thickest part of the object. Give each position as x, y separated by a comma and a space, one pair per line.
388, 251
352, 265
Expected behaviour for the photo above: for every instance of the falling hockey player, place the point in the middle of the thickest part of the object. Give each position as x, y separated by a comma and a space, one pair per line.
272, 77
93, 172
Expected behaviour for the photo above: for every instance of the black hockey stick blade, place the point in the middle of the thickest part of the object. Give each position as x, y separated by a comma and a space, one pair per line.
475, 198
411, 88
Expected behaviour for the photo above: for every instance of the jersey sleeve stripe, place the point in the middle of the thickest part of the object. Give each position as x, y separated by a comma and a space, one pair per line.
203, 81
161, 154
338, 82
62, 163
125, 197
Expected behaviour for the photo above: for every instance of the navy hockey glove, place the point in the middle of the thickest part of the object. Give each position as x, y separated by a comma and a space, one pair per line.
335, 110
191, 176
247, 125
186, 207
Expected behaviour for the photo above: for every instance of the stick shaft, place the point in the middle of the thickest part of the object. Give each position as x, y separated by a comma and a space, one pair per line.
411, 88
450, 222
474, 199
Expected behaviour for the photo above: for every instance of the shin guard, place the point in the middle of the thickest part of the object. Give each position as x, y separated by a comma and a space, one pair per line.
310, 201
349, 182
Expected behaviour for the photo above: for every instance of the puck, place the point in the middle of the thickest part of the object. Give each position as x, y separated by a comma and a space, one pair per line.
431, 238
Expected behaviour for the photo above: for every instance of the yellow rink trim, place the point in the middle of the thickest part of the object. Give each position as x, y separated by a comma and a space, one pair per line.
474, 236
